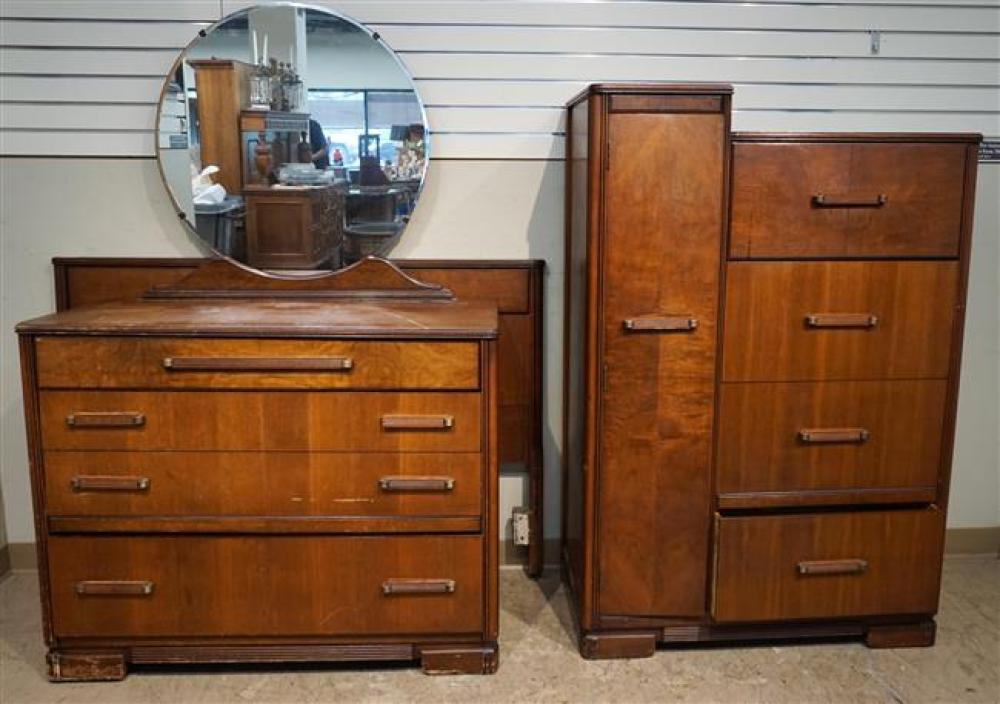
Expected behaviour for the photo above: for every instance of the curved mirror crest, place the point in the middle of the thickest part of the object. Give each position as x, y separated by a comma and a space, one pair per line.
291, 139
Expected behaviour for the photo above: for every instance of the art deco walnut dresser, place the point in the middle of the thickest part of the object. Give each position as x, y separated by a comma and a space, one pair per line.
244, 469
763, 343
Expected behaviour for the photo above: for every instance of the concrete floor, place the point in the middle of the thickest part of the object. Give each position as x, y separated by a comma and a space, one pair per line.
539, 662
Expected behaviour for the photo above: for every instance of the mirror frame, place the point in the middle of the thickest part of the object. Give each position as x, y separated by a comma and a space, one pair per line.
192, 232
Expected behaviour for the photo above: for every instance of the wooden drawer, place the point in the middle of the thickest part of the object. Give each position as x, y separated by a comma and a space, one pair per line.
265, 586
288, 484
833, 565
800, 443
791, 321
261, 420
142, 363
846, 200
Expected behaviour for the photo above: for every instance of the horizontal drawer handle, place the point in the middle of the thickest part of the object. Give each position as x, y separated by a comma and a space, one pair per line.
841, 320
820, 435
115, 588
258, 364
404, 483
830, 567
94, 482
668, 323
414, 422
821, 200
418, 586
102, 419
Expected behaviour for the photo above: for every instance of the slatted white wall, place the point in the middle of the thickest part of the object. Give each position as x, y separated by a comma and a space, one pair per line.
81, 77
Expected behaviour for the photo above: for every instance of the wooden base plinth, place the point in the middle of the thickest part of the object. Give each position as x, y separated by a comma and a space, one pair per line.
607, 646
86, 667
905, 635
112, 665
460, 660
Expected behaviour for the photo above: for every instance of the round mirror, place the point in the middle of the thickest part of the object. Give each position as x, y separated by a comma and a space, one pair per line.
292, 139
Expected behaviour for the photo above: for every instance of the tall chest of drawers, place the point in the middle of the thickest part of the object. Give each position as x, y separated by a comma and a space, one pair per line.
265, 481
763, 344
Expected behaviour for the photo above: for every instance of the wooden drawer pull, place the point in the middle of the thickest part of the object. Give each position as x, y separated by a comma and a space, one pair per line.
100, 419
841, 320
115, 588
669, 323
821, 200
258, 364
829, 567
95, 482
404, 483
404, 422
821, 435
418, 586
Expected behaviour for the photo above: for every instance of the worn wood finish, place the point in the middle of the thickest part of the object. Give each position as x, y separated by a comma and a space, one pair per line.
846, 199
768, 336
179, 363
834, 392
225, 498
513, 286
260, 484
215, 585
261, 420
758, 558
761, 448
643, 261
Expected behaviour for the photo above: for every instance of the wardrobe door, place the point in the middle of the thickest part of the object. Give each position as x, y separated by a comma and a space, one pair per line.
661, 248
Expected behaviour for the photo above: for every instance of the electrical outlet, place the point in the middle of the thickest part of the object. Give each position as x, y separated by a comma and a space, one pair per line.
520, 521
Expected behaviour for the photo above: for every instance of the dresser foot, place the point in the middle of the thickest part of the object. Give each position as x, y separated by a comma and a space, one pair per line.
606, 646
86, 667
902, 635
459, 659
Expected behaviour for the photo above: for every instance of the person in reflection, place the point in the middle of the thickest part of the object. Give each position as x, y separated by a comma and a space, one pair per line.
317, 142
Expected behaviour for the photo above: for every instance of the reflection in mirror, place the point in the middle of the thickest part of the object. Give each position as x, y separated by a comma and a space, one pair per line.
292, 139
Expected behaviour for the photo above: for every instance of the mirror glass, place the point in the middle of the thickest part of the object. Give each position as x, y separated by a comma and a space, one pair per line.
292, 139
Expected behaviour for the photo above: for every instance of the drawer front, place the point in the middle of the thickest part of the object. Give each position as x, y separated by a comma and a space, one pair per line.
834, 565
171, 363
261, 420
799, 321
265, 586
847, 200
287, 484
791, 439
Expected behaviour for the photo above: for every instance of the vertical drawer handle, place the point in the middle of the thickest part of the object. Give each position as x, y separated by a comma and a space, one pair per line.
821, 435
94, 482
841, 320
832, 567
115, 588
668, 323
258, 364
418, 586
821, 200
404, 483
109, 419
408, 422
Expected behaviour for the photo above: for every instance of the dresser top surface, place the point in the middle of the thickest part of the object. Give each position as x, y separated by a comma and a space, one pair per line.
274, 318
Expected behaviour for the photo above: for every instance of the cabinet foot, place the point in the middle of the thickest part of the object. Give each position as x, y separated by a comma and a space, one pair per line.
86, 667
902, 635
605, 646
459, 659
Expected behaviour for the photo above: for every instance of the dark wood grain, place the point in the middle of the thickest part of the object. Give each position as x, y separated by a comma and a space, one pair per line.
768, 336
514, 286
661, 258
761, 448
846, 199
756, 565
214, 585
261, 484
